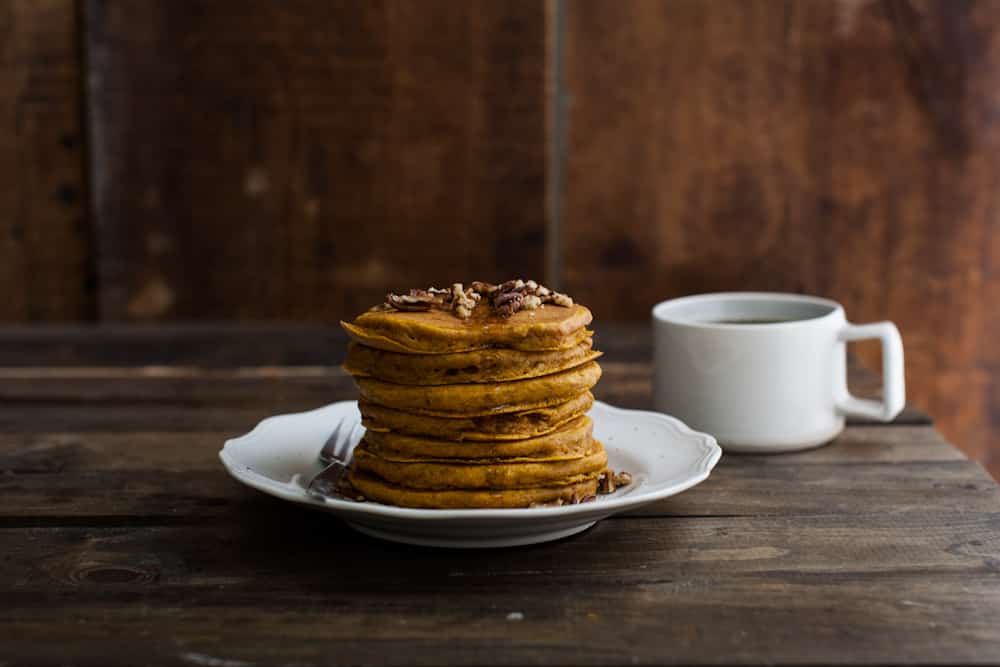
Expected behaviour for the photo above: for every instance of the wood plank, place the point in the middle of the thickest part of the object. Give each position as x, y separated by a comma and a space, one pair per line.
739, 488
45, 249
296, 161
70, 453
252, 555
844, 149
210, 345
673, 620
199, 494
285, 386
868, 444
626, 591
83, 417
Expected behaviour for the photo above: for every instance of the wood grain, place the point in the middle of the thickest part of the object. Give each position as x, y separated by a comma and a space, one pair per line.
673, 620
737, 489
848, 149
205, 345
120, 534
44, 227
248, 555
298, 160
646, 590
194, 450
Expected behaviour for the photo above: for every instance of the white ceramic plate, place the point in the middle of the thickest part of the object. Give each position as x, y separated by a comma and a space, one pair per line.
665, 457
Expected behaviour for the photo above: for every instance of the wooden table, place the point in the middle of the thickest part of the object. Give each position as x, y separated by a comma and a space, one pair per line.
122, 541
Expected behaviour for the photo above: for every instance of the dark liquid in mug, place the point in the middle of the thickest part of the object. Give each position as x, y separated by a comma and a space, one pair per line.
749, 321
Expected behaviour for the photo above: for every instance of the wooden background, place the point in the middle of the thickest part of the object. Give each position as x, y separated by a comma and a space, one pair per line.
217, 160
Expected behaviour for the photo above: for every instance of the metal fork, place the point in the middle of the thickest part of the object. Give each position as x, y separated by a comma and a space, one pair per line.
334, 456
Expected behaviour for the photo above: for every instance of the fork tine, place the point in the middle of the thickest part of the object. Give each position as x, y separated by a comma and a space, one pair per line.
329, 449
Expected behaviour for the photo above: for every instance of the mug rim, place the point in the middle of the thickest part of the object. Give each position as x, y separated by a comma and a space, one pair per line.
660, 311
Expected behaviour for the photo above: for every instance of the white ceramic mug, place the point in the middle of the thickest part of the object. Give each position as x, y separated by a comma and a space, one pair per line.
765, 372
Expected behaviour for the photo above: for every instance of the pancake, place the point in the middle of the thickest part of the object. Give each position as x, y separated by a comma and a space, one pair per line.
509, 426
471, 400
436, 475
569, 442
488, 365
377, 489
437, 332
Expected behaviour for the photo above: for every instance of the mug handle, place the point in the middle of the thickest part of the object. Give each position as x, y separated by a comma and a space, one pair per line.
893, 381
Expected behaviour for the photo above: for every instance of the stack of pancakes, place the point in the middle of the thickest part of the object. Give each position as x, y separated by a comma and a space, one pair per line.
488, 410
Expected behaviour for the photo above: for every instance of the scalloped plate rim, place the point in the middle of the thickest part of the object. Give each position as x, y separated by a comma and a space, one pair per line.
603, 507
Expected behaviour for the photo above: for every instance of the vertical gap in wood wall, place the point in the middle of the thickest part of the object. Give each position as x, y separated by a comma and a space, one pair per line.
91, 282
556, 141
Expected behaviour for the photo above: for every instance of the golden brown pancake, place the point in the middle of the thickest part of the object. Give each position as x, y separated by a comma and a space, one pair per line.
469, 400
508, 426
569, 442
498, 474
488, 365
377, 489
550, 327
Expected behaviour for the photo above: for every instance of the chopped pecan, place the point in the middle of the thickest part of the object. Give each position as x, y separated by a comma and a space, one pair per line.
461, 301
558, 299
609, 481
409, 302
512, 285
504, 299
622, 479
508, 303
604, 483
482, 288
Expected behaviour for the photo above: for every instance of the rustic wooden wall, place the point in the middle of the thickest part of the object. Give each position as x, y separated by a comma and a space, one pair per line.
44, 233
848, 149
294, 159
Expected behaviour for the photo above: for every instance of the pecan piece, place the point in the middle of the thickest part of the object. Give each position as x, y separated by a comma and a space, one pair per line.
604, 483
508, 303
512, 285
622, 479
461, 302
561, 300
408, 302
482, 288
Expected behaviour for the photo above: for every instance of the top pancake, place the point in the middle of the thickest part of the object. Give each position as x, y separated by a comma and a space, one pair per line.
549, 327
